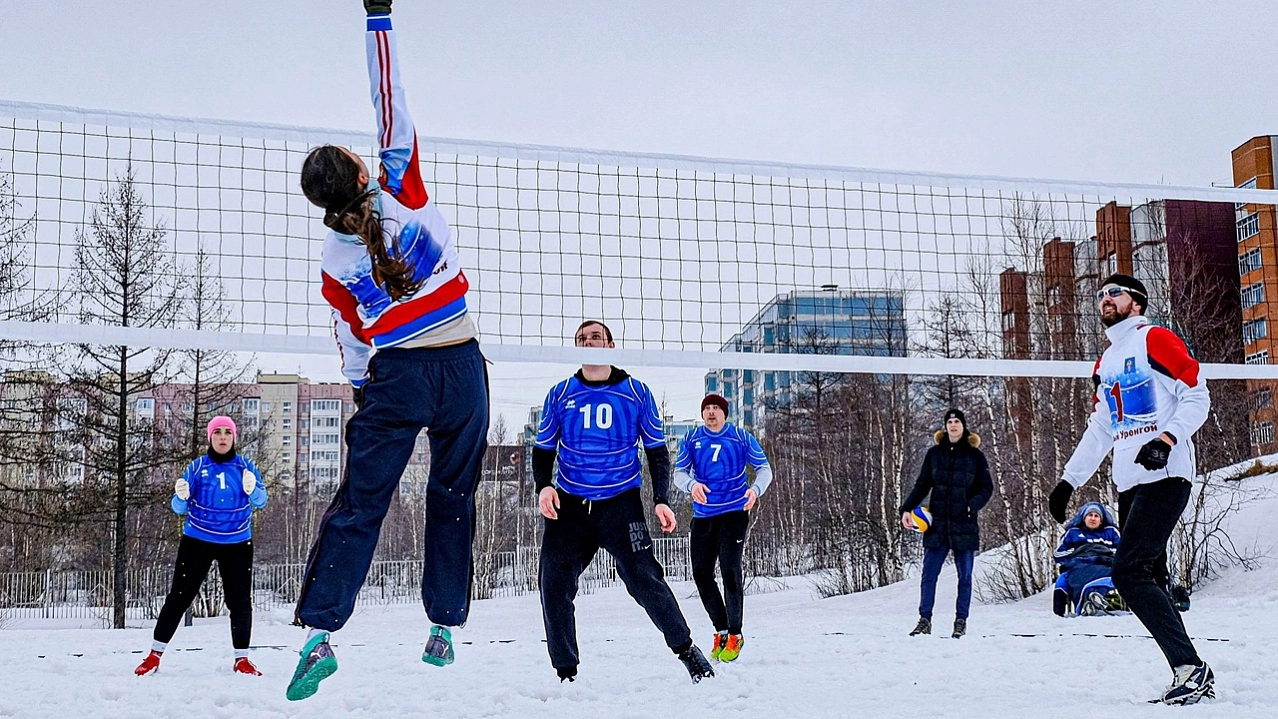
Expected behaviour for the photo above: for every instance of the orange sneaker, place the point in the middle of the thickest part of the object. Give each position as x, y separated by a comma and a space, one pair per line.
720, 640
244, 666
150, 665
732, 649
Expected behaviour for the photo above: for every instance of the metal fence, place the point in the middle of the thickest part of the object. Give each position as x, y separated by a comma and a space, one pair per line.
87, 594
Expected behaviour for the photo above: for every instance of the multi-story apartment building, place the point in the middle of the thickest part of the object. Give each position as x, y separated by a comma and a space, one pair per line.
1256, 231
828, 321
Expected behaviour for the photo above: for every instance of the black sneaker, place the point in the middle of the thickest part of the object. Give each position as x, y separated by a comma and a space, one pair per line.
960, 628
695, 662
566, 674
923, 627
1189, 684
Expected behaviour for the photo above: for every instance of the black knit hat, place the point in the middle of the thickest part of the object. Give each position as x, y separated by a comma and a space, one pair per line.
1134, 287
955, 413
716, 400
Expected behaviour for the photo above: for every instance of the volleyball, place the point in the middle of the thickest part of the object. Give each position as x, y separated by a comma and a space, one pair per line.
922, 519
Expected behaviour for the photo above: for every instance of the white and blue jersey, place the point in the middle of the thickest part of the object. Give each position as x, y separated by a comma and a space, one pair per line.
218, 510
718, 460
597, 429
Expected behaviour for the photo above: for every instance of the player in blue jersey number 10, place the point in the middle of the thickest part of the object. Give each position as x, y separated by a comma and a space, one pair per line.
594, 422
711, 466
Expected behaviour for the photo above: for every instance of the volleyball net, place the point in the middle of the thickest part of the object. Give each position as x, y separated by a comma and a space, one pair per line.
693, 262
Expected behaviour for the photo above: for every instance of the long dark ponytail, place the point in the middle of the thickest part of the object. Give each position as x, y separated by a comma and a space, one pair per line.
330, 179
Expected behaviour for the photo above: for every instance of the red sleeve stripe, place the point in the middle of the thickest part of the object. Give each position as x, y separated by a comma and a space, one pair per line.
1169, 355
344, 302
383, 64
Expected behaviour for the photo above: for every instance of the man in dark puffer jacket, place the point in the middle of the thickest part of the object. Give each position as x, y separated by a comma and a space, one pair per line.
957, 475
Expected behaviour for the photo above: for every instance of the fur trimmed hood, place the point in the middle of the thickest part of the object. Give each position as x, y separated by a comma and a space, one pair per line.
973, 438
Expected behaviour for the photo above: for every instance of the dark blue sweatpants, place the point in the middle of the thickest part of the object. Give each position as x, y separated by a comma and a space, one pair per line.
933, 560
445, 391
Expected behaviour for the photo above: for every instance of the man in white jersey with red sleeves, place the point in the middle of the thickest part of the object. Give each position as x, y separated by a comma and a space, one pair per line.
1149, 402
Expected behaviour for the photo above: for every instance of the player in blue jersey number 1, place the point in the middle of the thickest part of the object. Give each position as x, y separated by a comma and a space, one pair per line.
711, 466
593, 422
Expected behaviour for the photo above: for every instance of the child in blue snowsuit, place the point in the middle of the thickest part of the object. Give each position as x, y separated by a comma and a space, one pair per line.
1086, 556
217, 494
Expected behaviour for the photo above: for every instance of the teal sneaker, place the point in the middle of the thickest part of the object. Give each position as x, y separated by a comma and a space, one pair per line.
439, 648
316, 665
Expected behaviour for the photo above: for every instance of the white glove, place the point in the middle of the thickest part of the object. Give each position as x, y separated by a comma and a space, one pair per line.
182, 489
249, 482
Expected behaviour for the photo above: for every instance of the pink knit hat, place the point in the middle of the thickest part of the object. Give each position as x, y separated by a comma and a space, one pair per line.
222, 421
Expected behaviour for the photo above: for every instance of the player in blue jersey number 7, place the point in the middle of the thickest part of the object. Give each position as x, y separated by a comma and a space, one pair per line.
391, 273
594, 423
711, 466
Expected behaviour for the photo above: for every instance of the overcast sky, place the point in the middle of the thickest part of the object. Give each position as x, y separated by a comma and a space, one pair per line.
1124, 92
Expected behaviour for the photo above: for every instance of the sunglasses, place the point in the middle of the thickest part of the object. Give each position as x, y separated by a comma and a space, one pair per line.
1111, 292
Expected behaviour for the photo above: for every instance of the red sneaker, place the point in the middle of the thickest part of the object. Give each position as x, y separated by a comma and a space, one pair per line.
244, 666
149, 665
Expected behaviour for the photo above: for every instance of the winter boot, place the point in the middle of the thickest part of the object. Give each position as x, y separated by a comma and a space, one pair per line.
720, 641
566, 674
244, 666
150, 665
317, 663
1189, 684
960, 628
732, 649
923, 627
439, 648
695, 662
1060, 600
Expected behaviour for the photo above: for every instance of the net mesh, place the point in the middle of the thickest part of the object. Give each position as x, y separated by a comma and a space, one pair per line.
691, 261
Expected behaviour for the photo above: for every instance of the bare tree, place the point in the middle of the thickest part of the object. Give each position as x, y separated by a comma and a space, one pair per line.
125, 276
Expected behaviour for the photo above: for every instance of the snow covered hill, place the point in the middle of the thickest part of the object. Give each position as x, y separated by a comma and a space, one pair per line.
804, 657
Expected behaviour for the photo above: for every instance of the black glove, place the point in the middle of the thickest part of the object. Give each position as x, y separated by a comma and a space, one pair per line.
1058, 501
377, 7
1153, 455
357, 393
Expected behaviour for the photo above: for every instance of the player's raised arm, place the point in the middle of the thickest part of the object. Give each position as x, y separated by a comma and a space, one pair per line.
396, 136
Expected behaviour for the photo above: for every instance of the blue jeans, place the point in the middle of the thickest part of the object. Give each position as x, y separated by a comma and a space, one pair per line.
445, 391
933, 560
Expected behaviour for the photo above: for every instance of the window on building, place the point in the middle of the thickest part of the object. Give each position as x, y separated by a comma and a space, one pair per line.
305, 441
747, 396
727, 391
326, 405
266, 407
1262, 433
712, 385
1249, 261
146, 404
1111, 261
288, 407
286, 423
1248, 185
1248, 226
1253, 295
1009, 321
1254, 330
303, 423
1261, 357
250, 405
286, 440
769, 381
1263, 398
747, 418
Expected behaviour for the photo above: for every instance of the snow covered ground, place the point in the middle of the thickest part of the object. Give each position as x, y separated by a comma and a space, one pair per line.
804, 657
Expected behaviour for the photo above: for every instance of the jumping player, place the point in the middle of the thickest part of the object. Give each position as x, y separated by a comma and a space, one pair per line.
594, 422
391, 273
1149, 403
711, 466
